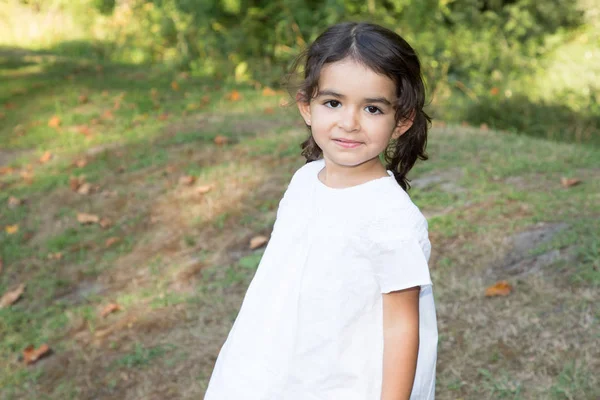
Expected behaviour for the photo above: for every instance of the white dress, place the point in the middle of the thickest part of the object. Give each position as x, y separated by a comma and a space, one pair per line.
311, 323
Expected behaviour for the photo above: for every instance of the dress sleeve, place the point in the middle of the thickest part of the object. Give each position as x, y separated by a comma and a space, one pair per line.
399, 257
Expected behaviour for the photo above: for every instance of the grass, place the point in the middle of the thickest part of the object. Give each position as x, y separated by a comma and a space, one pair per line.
182, 262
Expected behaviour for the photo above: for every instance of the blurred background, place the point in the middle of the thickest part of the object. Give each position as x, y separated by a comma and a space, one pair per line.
145, 145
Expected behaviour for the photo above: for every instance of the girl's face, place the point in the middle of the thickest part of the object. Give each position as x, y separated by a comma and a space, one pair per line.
352, 118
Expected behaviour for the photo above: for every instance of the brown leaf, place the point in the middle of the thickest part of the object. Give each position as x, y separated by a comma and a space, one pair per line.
111, 240
6, 170
175, 85
567, 183
84, 189
27, 176
31, 355
12, 229
220, 140
258, 241
80, 163
501, 288
234, 95
204, 189
267, 91
494, 91
14, 202
12, 296
105, 222
108, 115
84, 218
163, 116
84, 130
110, 308
187, 180
269, 110
76, 181
9, 106
83, 98
484, 127
54, 122
55, 256
2, 115
45, 157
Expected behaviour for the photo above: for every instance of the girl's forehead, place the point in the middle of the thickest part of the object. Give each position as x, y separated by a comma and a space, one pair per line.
350, 77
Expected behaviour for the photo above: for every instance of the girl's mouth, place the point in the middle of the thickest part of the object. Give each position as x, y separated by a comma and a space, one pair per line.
347, 144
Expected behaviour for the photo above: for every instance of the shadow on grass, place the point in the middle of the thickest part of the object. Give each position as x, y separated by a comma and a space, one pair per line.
549, 121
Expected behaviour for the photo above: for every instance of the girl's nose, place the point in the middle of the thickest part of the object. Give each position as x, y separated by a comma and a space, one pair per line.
349, 120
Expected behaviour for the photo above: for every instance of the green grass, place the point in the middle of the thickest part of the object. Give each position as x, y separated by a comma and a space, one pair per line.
494, 184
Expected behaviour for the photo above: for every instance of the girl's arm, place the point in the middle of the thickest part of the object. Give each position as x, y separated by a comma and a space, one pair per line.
400, 342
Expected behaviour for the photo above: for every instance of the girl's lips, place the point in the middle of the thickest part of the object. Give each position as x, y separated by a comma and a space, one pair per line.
347, 145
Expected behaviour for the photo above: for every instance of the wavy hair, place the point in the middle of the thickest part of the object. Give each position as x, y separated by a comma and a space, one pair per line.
388, 54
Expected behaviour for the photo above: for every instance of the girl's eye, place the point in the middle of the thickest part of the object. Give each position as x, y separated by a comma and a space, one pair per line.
373, 110
333, 103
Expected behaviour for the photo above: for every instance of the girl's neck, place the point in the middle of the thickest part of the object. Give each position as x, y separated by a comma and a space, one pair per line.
339, 177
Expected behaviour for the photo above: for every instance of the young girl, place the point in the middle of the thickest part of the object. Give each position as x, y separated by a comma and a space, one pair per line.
341, 305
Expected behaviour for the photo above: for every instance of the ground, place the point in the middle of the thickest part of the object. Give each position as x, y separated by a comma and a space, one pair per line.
187, 172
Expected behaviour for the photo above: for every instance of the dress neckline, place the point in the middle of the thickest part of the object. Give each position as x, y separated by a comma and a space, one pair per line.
349, 188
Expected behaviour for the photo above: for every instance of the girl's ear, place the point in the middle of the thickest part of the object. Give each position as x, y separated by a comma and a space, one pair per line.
303, 107
403, 126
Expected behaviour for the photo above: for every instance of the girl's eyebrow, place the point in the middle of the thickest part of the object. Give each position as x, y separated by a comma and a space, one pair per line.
331, 93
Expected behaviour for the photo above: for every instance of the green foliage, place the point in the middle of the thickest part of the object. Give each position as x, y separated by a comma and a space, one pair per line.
492, 52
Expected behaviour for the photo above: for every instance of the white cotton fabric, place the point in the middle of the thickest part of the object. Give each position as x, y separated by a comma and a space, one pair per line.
311, 323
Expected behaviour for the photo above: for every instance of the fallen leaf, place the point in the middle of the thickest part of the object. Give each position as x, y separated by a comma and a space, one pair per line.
84, 189
14, 202
484, 127
9, 106
83, 98
112, 307
12, 296
111, 240
104, 93
204, 189
55, 256
105, 222
283, 102
501, 288
54, 122
258, 241
11, 229
494, 91
2, 115
267, 91
80, 163
31, 355
76, 181
163, 116
27, 176
187, 180
234, 95
84, 218
220, 140
269, 110
19, 130
107, 114
175, 85
568, 182
6, 170
84, 130
45, 157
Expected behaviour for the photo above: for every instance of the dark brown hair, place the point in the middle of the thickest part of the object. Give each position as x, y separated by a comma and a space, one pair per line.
386, 53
